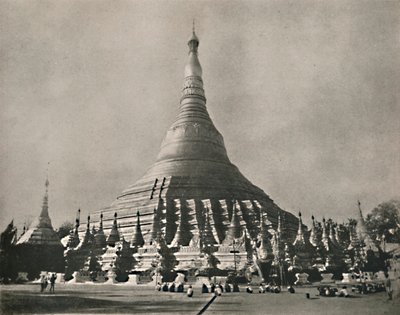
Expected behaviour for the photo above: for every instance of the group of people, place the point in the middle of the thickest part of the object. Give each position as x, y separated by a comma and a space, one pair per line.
270, 287
328, 291
170, 287
218, 288
44, 281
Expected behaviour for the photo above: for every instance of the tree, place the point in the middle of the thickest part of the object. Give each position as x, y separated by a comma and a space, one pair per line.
64, 229
384, 221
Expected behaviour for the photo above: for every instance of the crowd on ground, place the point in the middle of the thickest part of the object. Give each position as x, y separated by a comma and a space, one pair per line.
218, 289
323, 291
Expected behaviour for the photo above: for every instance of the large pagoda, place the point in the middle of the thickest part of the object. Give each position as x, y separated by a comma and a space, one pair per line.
192, 183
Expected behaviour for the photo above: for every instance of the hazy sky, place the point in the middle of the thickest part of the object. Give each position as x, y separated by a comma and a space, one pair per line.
305, 93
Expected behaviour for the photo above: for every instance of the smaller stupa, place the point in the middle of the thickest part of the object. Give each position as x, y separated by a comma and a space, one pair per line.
40, 248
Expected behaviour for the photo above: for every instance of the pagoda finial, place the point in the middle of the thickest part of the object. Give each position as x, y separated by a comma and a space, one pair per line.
193, 67
44, 219
47, 183
194, 26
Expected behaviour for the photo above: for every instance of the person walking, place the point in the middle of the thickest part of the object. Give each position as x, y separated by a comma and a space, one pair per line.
43, 283
52, 282
388, 286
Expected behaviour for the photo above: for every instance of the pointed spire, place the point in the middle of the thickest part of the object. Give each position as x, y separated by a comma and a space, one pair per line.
193, 85
155, 229
325, 238
137, 238
178, 234
281, 228
88, 238
100, 238
74, 240
234, 229
337, 236
193, 41
114, 234
313, 233
121, 234
332, 235
101, 221
78, 220
300, 234
88, 224
361, 231
265, 249
208, 236
42, 232
44, 219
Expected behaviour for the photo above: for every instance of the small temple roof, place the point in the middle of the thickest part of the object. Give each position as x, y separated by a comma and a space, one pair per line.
41, 231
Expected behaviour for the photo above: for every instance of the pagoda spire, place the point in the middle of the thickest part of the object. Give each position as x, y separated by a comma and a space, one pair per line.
155, 229
234, 229
73, 240
325, 238
332, 232
178, 234
300, 234
41, 232
100, 238
137, 238
313, 233
88, 238
44, 219
265, 250
361, 230
114, 234
101, 222
208, 236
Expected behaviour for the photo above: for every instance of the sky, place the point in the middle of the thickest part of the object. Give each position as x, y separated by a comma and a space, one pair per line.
305, 94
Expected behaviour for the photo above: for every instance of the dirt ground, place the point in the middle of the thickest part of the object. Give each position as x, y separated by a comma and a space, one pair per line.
125, 299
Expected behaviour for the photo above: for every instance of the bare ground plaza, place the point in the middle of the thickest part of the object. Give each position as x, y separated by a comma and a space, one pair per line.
125, 299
